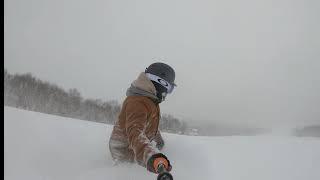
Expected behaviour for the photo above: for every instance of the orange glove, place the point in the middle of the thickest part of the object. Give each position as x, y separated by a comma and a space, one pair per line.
160, 160
157, 159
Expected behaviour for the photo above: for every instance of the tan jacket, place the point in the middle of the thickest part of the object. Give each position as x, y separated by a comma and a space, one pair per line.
135, 135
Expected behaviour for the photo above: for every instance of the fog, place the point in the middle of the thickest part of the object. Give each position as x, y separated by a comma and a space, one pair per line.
250, 63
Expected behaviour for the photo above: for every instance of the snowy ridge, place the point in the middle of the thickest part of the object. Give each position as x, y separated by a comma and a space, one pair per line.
45, 147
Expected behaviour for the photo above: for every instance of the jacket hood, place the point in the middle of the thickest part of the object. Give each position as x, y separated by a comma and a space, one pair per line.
142, 86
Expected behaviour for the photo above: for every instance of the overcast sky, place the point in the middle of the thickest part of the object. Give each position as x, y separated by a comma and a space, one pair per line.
245, 62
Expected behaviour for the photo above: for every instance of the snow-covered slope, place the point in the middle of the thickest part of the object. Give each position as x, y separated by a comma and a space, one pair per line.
44, 147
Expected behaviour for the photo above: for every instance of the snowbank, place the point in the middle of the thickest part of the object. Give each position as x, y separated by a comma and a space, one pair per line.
45, 147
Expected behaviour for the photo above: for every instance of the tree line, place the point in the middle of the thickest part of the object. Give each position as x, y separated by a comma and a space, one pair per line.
27, 92
308, 131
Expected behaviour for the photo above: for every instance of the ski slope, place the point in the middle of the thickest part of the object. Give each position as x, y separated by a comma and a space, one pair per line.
45, 147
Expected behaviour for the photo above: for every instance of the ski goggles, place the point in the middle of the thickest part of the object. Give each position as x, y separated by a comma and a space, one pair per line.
162, 82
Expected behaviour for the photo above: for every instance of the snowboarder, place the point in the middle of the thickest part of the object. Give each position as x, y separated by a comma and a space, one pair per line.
136, 136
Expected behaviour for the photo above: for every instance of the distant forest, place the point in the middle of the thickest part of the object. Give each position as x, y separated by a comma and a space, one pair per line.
27, 92
308, 131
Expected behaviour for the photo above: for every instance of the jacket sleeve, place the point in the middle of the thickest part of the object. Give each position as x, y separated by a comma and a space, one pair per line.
136, 120
159, 140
